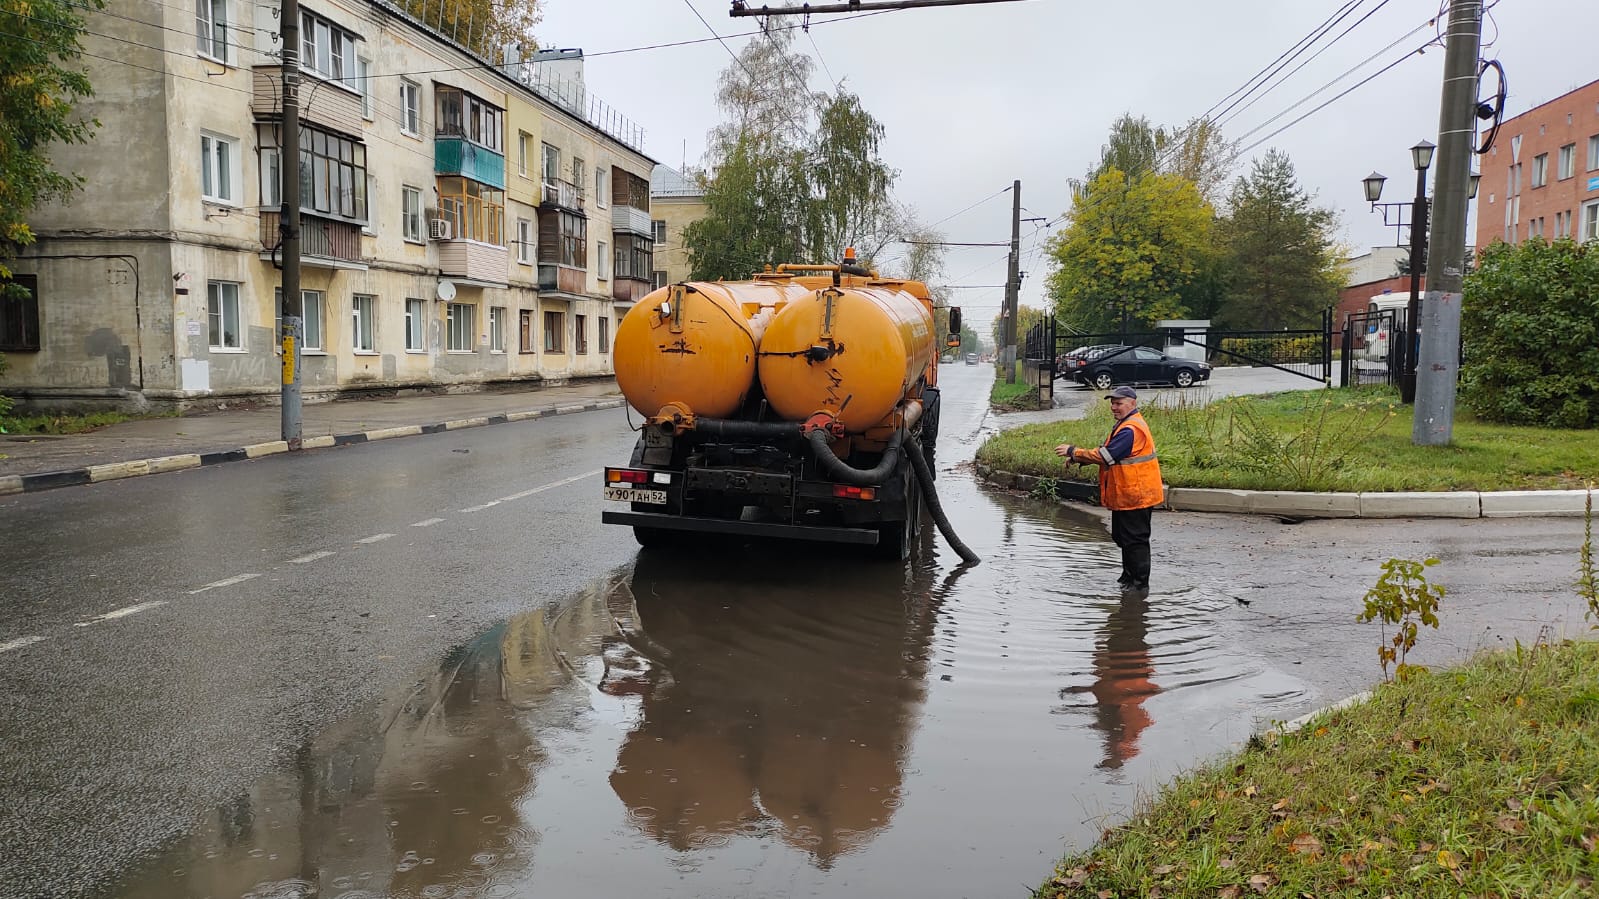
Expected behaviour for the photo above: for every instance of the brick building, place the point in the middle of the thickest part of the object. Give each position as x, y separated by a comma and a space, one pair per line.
1541, 179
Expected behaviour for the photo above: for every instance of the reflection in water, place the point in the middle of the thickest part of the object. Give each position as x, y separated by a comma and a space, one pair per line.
785, 708
1122, 672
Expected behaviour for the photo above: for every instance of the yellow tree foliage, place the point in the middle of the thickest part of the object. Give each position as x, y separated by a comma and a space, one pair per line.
483, 26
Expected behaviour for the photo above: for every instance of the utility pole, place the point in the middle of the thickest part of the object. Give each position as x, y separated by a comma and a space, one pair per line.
742, 7
293, 332
1013, 283
1446, 269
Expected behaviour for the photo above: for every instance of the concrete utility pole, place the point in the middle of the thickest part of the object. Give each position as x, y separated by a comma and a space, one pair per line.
293, 332
1013, 283
1446, 266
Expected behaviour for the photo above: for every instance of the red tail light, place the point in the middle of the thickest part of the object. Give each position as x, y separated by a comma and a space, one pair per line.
846, 491
625, 476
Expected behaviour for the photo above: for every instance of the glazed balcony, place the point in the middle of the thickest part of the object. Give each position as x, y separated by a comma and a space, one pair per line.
324, 243
326, 104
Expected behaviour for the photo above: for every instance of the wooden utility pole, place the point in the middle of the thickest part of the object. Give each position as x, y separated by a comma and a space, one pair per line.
1439, 366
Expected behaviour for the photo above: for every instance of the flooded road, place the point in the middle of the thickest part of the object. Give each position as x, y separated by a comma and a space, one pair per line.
763, 722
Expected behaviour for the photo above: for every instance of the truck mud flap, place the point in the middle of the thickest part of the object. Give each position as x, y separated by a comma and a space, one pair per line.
861, 536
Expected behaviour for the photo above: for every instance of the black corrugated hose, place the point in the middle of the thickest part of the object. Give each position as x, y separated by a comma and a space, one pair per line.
860, 477
924, 475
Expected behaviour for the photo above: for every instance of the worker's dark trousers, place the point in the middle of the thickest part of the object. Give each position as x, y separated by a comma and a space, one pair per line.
1130, 529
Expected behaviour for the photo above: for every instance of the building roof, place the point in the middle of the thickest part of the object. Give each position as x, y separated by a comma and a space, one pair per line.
666, 181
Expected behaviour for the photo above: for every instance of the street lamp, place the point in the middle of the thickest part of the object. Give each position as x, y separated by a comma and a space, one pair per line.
1421, 158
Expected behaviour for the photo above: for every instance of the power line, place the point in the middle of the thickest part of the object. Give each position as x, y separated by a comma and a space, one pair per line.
1304, 43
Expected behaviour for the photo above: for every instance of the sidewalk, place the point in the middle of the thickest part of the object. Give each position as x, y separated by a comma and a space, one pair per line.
150, 446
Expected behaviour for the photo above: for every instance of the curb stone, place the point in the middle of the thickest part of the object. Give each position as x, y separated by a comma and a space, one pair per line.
1291, 504
111, 471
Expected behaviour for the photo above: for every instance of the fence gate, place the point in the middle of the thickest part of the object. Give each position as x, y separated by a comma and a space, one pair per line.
1306, 352
1373, 347
1038, 354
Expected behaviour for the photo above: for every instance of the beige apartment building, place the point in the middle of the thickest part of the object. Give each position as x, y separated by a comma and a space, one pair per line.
676, 201
464, 224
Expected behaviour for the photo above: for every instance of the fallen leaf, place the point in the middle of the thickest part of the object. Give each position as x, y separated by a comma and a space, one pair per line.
1262, 883
1230, 892
1076, 878
1250, 791
1225, 863
1105, 894
1510, 825
1447, 859
1305, 844
1279, 805
1164, 869
1193, 803
1588, 842
1513, 804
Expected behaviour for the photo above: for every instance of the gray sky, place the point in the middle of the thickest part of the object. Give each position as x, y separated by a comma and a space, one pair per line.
974, 97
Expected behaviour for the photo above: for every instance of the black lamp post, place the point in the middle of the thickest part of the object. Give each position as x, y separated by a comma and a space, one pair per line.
1421, 158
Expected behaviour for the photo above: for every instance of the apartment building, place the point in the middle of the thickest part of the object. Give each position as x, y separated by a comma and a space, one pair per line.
676, 201
1541, 178
463, 223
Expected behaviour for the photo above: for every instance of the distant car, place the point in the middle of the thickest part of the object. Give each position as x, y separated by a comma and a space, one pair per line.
971, 358
1107, 366
1067, 364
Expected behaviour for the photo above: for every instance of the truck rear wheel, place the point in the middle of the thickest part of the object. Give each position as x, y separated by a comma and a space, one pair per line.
656, 538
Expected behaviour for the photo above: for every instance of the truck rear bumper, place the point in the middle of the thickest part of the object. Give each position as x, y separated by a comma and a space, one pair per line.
861, 536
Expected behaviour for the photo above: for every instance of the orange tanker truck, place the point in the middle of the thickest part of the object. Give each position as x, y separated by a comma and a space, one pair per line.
801, 404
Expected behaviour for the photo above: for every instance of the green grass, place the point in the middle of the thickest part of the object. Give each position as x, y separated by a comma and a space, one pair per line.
1345, 440
1019, 395
1477, 781
66, 423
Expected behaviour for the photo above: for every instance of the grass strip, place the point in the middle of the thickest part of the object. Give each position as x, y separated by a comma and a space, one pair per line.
1355, 440
1474, 781
1019, 395
68, 423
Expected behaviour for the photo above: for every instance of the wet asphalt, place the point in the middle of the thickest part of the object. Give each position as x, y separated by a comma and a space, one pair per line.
422, 668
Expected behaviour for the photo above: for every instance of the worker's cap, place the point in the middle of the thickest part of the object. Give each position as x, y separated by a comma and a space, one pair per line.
1122, 393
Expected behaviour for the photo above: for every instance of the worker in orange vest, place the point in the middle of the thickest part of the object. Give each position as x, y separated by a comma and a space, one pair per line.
1129, 483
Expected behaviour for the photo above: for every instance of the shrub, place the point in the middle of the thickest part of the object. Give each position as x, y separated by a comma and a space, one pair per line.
1530, 327
1277, 350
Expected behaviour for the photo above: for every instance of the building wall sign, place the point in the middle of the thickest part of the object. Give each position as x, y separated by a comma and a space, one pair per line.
1593, 183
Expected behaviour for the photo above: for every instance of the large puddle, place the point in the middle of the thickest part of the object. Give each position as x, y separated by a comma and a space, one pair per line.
748, 723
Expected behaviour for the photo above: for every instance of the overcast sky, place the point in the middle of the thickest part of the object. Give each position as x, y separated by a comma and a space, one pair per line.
974, 97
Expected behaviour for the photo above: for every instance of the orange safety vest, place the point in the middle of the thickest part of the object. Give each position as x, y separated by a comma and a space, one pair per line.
1133, 482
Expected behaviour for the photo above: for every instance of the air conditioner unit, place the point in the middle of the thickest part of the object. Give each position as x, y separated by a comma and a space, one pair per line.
439, 229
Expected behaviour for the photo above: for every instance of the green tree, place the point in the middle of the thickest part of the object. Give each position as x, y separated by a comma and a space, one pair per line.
1132, 247
1197, 151
1026, 318
851, 205
754, 208
1283, 266
485, 27
40, 83
1530, 326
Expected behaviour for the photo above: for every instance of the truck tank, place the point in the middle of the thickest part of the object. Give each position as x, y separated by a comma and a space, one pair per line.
692, 346
853, 351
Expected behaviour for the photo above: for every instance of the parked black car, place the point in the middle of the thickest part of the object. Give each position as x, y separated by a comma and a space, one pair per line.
1067, 364
1106, 366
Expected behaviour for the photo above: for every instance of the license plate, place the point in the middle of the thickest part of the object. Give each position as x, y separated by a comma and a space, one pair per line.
635, 495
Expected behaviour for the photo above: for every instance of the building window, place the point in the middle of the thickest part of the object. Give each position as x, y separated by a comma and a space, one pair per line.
1540, 170
415, 315
497, 329
363, 323
211, 28
363, 82
219, 168
524, 241
410, 107
524, 149
525, 326
602, 262
332, 175
605, 334
660, 279
554, 330
411, 213
580, 334
1593, 153
635, 257
462, 325
460, 114
580, 175
475, 210
659, 227
1568, 162
551, 171
327, 49
601, 188
271, 178
19, 314
1590, 222
564, 240
222, 308
311, 310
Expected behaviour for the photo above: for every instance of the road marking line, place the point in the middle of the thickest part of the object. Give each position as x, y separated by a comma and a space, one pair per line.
19, 643
486, 505
562, 483
427, 522
225, 582
312, 557
374, 538
123, 613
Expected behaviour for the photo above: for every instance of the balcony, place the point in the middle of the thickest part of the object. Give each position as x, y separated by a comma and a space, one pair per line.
562, 278
629, 220
563, 195
324, 243
327, 105
480, 263
629, 290
458, 156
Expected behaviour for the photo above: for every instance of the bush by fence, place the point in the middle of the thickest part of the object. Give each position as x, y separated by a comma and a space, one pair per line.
1276, 350
1530, 326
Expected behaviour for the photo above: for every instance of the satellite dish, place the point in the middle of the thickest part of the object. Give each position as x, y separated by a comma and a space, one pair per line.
446, 290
